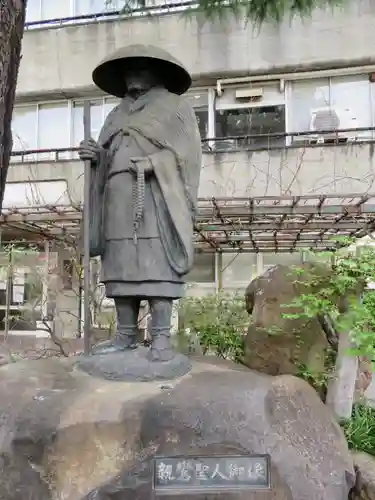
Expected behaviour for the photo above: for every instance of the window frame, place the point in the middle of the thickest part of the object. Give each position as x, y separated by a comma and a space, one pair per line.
311, 79
101, 101
28, 105
213, 105
37, 106
201, 107
262, 103
68, 117
279, 142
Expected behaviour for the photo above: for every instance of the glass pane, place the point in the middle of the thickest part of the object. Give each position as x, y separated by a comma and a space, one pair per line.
238, 268
33, 11
198, 99
18, 286
254, 121
56, 9
203, 270
202, 119
109, 104
34, 285
305, 97
96, 121
351, 99
284, 259
84, 7
24, 124
53, 128
77, 124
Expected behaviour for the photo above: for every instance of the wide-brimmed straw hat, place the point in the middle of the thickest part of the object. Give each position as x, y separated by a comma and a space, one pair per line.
109, 74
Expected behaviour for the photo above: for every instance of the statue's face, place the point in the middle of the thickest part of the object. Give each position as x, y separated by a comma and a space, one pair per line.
139, 78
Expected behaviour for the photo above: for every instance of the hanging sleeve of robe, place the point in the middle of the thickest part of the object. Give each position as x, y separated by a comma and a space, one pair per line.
165, 129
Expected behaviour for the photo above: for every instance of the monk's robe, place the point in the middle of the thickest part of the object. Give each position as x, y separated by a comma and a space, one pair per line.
142, 214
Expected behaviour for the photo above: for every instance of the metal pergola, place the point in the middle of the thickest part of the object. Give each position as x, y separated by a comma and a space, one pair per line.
252, 225
282, 223
222, 225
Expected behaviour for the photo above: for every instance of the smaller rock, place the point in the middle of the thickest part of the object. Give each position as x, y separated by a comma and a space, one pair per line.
365, 485
364, 376
277, 345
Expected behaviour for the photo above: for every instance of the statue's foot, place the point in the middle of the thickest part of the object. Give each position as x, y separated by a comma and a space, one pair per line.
161, 349
118, 344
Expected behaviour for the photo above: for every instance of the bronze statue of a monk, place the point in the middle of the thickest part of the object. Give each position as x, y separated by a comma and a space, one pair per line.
144, 186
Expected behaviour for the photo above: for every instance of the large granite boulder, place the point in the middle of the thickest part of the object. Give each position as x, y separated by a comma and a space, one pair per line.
66, 435
275, 344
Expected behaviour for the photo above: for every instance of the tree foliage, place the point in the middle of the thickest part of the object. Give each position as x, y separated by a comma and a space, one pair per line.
260, 11
256, 11
343, 296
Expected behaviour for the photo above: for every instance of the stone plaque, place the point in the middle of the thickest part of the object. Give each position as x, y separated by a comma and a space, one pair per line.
196, 474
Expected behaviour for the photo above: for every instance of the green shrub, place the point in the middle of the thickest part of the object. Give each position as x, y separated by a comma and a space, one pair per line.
219, 322
360, 429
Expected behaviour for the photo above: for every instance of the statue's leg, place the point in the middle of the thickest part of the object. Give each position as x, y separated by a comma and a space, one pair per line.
127, 309
161, 314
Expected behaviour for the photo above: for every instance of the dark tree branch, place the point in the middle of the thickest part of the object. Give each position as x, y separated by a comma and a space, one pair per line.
12, 20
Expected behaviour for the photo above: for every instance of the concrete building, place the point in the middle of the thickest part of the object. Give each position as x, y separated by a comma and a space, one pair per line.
282, 84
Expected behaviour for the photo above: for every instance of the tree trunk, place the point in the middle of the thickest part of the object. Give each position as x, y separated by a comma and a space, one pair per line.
12, 20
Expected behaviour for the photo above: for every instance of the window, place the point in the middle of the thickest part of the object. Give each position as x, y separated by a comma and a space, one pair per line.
282, 258
59, 124
331, 104
53, 125
202, 119
109, 104
24, 285
306, 96
99, 110
24, 127
38, 10
250, 109
203, 270
83, 7
238, 268
67, 274
96, 116
251, 121
199, 101
33, 11
55, 10
42, 10
41, 126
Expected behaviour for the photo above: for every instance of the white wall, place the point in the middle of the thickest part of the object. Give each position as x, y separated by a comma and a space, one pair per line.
60, 61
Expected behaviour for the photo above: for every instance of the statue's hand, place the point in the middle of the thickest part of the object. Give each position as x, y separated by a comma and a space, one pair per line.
89, 150
140, 163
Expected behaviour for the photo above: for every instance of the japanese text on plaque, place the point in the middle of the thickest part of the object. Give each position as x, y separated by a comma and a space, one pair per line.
211, 473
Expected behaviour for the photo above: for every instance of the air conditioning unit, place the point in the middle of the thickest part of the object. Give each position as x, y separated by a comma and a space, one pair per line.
329, 118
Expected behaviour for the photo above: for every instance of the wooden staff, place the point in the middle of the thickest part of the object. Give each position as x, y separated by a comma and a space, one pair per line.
86, 236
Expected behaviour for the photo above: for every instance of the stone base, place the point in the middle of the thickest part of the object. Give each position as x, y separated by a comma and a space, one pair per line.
67, 435
134, 366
